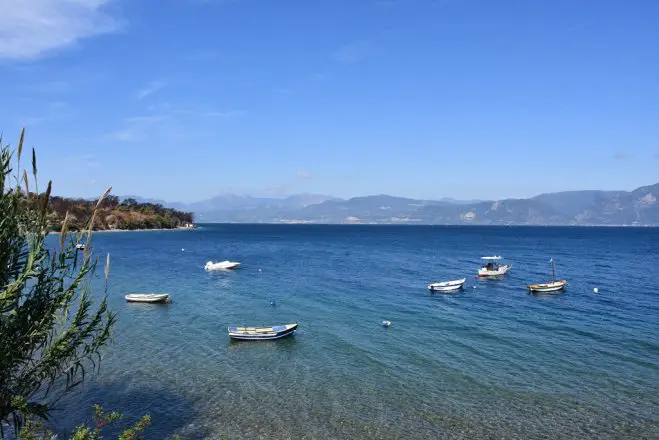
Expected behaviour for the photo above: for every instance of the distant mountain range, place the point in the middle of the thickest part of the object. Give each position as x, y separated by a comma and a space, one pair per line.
589, 208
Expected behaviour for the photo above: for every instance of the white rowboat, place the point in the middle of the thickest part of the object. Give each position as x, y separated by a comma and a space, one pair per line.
447, 286
148, 297
262, 333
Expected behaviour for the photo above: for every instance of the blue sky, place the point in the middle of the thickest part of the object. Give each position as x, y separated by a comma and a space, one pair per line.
185, 99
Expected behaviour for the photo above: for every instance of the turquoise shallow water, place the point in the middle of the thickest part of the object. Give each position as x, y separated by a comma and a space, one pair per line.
490, 362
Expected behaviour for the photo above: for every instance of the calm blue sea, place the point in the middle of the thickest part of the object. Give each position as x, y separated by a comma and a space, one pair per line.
491, 362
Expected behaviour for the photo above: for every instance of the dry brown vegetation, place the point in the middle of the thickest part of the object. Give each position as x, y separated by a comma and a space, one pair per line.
112, 214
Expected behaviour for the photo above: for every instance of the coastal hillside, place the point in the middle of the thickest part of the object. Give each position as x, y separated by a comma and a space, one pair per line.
114, 214
586, 208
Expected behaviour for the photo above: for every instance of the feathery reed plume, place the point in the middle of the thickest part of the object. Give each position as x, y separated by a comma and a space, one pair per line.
26, 183
18, 156
18, 159
20, 143
63, 231
34, 163
93, 218
46, 199
107, 267
34, 171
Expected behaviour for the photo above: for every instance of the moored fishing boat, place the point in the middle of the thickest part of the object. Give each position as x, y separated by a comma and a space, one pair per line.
493, 268
262, 333
553, 286
221, 265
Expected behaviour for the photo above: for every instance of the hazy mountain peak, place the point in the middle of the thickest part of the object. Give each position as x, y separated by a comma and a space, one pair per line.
590, 207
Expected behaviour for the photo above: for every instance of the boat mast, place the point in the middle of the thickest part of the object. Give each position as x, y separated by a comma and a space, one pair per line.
553, 272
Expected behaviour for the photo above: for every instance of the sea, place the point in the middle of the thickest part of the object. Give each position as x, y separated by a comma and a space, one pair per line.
489, 362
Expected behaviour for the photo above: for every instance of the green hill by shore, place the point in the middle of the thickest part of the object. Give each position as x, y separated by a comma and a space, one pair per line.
114, 215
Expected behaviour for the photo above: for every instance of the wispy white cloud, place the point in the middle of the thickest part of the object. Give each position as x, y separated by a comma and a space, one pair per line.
49, 111
304, 175
128, 134
135, 128
151, 88
353, 52
29, 121
32, 28
227, 114
150, 119
173, 122
84, 160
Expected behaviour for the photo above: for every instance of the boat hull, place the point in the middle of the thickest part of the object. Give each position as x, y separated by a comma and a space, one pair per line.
447, 286
261, 333
222, 265
548, 287
148, 298
502, 270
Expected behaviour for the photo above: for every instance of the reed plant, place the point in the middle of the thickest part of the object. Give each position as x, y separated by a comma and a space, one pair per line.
53, 327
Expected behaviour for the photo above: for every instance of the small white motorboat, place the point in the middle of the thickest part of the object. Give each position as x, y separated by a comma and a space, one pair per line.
493, 268
221, 265
447, 286
148, 297
554, 286
80, 247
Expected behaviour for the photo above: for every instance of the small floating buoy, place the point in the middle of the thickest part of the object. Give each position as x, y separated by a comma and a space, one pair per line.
272, 303
260, 270
386, 324
182, 250
596, 290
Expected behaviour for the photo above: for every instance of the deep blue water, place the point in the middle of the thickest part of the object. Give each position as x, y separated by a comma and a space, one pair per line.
489, 362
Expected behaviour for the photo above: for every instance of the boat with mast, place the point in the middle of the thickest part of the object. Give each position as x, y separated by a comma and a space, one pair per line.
554, 286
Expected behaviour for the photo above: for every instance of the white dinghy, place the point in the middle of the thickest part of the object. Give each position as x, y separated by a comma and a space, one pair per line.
148, 297
447, 286
222, 265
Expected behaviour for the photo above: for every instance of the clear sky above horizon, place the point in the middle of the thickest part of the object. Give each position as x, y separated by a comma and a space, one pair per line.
182, 100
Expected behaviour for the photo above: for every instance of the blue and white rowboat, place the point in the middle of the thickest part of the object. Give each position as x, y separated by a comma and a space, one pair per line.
262, 333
